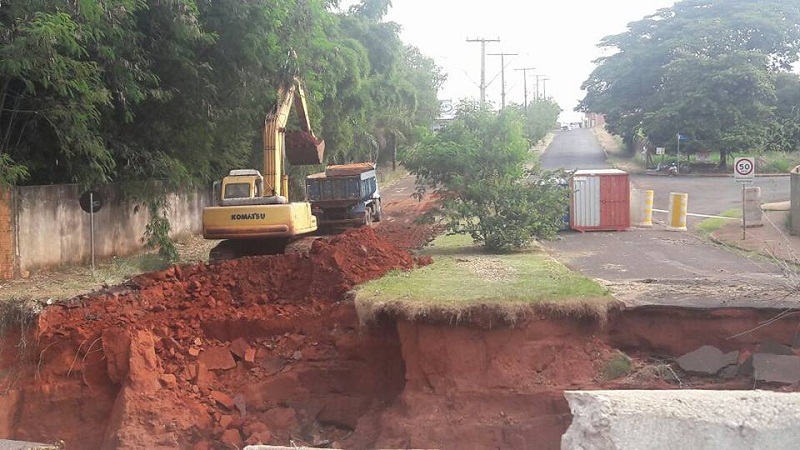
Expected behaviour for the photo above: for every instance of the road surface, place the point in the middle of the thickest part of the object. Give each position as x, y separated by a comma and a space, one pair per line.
656, 266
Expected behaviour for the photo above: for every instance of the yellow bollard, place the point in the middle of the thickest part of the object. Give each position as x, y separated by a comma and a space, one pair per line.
678, 203
642, 207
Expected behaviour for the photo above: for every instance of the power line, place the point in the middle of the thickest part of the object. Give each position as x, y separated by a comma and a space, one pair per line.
503, 76
483, 42
525, 83
538, 76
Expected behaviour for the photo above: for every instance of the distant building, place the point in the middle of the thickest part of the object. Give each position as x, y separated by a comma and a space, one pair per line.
595, 120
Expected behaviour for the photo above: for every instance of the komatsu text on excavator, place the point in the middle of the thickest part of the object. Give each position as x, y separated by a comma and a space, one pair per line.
251, 210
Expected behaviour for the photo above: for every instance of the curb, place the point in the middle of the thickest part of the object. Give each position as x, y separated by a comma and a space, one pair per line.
708, 175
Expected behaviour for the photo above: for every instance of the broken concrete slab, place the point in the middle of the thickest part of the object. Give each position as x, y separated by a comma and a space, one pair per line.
678, 419
707, 360
776, 368
774, 348
6, 444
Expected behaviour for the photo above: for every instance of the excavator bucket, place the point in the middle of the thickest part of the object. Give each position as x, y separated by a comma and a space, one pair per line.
303, 149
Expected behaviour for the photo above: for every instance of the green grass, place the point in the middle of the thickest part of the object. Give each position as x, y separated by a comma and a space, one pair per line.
463, 277
617, 366
536, 150
388, 177
59, 283
778, 162
713, 224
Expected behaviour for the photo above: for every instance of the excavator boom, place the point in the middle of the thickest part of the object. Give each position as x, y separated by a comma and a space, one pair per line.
300, 147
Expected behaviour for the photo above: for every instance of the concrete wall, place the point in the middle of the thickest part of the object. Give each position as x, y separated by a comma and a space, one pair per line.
7, 261
52, 229
794, 196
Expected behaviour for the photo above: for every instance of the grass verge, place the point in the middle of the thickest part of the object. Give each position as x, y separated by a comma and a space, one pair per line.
65, 282
713, 224
618, 158
388, 177
536, 150
464, 281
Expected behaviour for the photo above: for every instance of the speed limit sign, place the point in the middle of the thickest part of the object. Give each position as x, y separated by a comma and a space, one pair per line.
744, 169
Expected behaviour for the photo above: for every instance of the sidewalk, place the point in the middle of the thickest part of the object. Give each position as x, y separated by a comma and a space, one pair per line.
771, 240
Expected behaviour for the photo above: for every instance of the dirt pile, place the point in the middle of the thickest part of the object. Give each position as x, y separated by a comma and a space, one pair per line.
269, 350
260, 349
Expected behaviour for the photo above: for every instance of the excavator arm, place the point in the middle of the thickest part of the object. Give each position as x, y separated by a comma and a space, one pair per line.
299, 147
253, 220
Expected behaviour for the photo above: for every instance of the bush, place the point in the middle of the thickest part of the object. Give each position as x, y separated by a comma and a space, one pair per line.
476, 165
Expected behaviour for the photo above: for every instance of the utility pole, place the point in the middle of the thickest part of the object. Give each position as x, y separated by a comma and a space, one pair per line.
525, 84
537, 85
544, 88
502, 76
483, 66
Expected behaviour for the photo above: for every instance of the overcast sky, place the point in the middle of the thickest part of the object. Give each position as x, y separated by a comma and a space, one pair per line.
558, 38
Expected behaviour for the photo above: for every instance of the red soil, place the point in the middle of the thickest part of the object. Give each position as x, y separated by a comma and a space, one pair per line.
269, 350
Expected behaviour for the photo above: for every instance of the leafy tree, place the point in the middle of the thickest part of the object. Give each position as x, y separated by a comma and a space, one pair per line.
134, 90
721, 103
784, 130
476, 165
703, 67
541, 116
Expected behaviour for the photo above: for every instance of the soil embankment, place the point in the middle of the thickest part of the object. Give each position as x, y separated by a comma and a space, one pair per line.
270, 350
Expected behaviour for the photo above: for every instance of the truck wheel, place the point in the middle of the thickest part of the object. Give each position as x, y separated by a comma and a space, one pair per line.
368, 216
378, 211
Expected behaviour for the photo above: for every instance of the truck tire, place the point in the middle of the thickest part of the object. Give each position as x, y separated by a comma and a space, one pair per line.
368, 216
378, 212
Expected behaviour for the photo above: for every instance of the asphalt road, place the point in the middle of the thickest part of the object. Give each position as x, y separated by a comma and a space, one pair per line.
657, 266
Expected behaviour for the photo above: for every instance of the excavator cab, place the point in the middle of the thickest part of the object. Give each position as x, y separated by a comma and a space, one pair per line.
241, 184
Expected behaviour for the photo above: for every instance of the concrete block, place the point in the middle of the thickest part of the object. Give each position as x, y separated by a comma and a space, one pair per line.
776, 368
774, 348
6, 444
707, 360
680, 420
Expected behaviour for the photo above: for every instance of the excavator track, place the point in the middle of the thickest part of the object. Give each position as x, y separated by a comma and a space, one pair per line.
239, 248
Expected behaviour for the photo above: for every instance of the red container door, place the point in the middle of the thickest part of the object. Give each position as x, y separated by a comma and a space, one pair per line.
615, 202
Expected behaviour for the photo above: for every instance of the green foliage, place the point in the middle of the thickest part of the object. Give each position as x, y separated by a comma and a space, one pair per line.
703, 68
157, 230
784, 131
541, 116
10, 173
476, 165
619, 365
126, 90
136, 90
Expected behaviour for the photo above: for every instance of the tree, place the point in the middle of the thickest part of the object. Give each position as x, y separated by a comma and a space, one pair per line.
703, 67
721, 103
541, 116
784, 131
476, 165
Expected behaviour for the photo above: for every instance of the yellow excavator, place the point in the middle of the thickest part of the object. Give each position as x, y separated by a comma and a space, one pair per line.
251, 211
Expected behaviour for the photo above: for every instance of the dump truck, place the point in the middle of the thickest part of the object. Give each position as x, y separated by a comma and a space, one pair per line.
345, 196
251, 212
